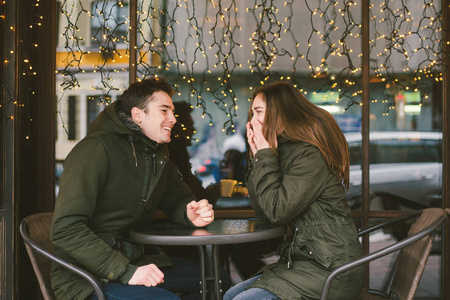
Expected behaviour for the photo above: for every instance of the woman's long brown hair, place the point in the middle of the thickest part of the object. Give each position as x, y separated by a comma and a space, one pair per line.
290, 114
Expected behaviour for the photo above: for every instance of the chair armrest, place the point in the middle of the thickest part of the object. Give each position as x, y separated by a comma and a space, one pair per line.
380, 253
389, 222
92, 280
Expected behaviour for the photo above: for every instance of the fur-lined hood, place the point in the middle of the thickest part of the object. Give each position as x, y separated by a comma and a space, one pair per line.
114, 120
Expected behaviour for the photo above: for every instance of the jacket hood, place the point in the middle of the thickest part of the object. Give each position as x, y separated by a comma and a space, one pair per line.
114, 120
108, 121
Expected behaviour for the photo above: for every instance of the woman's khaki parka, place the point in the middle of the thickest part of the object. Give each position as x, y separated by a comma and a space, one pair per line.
298, 189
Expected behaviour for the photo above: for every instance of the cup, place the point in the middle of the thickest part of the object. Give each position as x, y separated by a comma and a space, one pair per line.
227, 187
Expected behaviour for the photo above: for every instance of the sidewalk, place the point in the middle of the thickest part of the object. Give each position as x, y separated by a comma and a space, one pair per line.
430, 283
429, 286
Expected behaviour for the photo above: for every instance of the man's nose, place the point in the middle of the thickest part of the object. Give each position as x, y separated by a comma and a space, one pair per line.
172, 118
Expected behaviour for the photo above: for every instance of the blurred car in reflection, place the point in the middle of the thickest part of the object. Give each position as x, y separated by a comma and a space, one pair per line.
405, 170
207, 170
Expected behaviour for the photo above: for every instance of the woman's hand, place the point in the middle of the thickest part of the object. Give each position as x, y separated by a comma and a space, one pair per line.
258, 139
250, 135
148, 275
200, 213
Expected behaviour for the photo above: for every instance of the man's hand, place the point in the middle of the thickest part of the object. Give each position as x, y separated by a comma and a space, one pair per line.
200, 213
148, 275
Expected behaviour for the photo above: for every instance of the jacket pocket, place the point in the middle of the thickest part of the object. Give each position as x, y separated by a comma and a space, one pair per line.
303, 250
132, 251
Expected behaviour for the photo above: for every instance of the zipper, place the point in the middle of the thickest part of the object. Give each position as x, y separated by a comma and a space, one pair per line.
146, 184
291, 249
130, 139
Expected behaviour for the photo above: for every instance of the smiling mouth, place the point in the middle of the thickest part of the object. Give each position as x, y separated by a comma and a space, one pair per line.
169, 129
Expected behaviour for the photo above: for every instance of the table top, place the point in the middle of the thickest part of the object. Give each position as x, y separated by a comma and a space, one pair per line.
231, 231
232, 202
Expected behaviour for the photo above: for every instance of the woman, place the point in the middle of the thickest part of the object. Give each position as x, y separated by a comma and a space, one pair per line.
298, 176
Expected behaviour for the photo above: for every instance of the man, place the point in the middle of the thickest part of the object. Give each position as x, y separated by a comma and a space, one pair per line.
115, 179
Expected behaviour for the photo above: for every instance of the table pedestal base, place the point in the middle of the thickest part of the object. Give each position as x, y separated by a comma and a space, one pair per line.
210, 272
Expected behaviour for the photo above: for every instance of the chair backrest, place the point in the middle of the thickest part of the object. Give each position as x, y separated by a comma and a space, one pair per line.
412, 259
37, 228
35, 232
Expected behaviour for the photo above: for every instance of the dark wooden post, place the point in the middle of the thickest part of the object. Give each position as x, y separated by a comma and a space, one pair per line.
446, 142
34, 126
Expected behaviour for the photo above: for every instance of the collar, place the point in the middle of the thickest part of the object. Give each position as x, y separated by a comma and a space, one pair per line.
130, 124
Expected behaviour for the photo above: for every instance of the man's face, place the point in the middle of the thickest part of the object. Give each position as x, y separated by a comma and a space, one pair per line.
157, 119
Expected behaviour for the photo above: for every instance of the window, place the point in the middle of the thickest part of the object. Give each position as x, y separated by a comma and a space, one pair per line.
399, 149
94, 107
109, 21
405, 151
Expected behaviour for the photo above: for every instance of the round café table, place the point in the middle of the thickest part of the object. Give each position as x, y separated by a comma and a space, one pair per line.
208, 239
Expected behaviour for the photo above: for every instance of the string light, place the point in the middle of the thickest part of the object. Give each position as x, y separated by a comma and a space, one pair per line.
25, 63
212, 37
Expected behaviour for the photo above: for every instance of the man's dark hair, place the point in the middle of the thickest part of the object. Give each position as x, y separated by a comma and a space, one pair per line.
140, 93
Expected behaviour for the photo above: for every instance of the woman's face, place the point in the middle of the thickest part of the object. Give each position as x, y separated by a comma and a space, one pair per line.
258, 109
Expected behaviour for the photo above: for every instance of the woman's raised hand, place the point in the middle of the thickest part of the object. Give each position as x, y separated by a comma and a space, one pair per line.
250, 135
258, 138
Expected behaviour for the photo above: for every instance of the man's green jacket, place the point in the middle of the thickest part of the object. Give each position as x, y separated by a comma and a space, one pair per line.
114, 179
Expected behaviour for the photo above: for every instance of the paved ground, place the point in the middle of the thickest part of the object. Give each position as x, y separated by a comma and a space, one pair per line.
429, 286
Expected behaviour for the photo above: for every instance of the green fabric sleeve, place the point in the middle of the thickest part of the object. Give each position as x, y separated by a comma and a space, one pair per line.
127, 273
283, 194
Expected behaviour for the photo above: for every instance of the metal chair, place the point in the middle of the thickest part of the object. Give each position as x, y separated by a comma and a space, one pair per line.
409, 263
35, 232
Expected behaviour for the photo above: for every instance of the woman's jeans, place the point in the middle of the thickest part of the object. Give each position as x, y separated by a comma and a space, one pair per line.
240, 292
183, 278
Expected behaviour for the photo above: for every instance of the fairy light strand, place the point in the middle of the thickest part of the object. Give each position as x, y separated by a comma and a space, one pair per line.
175, 38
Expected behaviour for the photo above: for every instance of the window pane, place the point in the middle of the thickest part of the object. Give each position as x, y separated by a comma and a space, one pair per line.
406, 122
109, 19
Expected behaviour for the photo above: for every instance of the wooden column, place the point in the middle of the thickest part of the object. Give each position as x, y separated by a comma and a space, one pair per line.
446, 146
34, 126
365, 122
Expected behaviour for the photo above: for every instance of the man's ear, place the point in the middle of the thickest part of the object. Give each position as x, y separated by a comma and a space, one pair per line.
136, 115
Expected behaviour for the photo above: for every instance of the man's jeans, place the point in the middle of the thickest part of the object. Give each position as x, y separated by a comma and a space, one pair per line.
240, 292
183, 278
